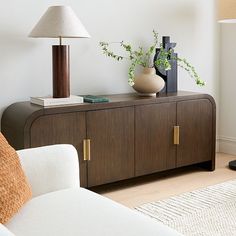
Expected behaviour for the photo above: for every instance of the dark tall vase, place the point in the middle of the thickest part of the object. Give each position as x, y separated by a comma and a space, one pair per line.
170, 76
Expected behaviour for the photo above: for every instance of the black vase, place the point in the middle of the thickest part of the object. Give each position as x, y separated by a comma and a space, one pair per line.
170, 76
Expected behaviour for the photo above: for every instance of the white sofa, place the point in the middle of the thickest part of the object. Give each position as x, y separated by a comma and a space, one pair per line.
59, 206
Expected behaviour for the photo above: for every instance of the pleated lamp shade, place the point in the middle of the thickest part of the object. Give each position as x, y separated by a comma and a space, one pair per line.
227, 11
59, 21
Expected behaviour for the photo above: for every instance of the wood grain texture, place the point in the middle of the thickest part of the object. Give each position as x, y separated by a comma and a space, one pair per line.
195, 118
61, 71
69, 128
154, 147
32, 111
21, 124
111, 133
16, 122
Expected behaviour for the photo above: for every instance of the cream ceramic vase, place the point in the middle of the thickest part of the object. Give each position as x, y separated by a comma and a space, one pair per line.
148, 83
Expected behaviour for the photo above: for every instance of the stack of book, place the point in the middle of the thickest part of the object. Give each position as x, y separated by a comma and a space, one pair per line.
49, 101
94, 99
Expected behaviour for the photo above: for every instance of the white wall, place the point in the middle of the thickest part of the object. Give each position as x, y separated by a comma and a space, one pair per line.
25, 63
227, 132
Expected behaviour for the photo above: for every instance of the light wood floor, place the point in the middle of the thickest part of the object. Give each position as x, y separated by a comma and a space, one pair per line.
156, 188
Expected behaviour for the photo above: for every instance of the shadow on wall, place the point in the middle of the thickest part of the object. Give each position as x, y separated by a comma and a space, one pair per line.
12, 46
186, 13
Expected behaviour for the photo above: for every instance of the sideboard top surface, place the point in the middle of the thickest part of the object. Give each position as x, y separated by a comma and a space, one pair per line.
25, 113
115, 100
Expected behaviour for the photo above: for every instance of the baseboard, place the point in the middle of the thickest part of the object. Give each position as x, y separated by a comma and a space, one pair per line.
227, 145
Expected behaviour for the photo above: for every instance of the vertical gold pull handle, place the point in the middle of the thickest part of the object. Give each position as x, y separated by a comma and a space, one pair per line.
176, 135
86, 148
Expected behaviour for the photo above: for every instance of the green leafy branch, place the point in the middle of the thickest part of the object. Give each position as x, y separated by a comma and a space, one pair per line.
137, 57
183, 63
163, 62
163, 59
109, 53
145, 59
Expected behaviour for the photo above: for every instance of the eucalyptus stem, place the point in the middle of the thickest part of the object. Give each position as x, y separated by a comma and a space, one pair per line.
183, 63
144, 58
109, 53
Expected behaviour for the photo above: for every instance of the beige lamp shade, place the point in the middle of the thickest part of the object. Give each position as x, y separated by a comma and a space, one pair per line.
227, 11
59, 22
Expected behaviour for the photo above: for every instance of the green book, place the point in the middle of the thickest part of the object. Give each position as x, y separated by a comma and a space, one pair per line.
94, 99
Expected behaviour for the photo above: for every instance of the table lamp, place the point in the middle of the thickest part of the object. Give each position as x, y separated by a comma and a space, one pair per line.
227, 14
60, 22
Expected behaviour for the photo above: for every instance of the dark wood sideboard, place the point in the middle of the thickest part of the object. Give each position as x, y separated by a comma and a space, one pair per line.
128, 137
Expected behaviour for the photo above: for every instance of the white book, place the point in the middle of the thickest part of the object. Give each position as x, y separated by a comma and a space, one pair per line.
50, 101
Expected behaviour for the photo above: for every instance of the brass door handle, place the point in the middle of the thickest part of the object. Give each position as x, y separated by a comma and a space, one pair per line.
176, 135
86, 149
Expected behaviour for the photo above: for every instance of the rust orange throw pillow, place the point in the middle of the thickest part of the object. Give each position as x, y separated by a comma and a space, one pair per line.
14, 188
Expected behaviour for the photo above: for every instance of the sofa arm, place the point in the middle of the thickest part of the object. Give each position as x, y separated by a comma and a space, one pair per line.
50, 168
4, 231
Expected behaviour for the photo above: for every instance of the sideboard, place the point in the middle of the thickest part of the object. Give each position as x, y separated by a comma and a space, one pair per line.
129, 136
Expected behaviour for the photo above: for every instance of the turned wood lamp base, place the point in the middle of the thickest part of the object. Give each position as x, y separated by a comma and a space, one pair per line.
61, 71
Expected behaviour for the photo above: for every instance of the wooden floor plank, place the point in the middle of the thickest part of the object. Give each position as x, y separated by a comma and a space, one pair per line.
155, 188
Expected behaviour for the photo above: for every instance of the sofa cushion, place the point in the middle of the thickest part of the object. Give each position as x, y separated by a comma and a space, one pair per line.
14, 188
81, 212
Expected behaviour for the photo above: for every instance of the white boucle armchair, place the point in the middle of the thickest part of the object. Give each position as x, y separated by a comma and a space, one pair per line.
60, 207
50, 168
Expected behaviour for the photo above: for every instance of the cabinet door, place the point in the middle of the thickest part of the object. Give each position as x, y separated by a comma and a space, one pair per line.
69, 128
154, 147
195, 119
111, 133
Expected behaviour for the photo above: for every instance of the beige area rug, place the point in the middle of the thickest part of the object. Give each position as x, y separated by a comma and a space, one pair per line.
209, 211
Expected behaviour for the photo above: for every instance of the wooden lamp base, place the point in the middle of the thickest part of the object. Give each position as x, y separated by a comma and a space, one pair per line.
61, 71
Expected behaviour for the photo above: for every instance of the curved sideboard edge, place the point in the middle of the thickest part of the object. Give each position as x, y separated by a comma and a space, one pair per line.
16, 121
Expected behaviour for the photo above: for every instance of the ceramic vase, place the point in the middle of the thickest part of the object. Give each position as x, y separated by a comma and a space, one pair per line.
148, 83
